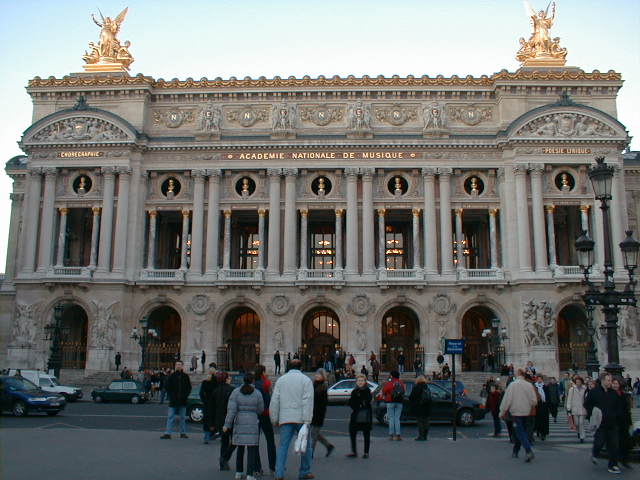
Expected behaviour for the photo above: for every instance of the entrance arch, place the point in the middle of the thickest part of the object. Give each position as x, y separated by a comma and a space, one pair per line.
400, 334
242, 331
480, 349
573, 337
320, 335
74, 328
163, 351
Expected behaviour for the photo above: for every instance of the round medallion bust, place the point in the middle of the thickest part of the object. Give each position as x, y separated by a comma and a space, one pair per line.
200, 304
170, 187
82, 184
280, 305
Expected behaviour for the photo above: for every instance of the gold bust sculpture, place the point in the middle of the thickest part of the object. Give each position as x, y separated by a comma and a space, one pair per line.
474, 186
82, 185
398, 186
172, 185
321, 186
565, 184
245, 186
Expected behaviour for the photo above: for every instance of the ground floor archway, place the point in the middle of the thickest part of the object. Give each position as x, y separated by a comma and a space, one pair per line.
74, 328
164, 350
400, 338
242, 331
573, 338
320, 337
480, 330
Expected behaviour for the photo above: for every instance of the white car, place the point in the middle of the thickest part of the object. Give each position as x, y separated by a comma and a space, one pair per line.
49, 383
340, 391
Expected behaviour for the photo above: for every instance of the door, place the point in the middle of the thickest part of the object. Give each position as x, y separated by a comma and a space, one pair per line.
113, 392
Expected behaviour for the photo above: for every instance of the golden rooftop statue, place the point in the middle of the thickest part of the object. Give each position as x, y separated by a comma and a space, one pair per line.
541, 50
108, 55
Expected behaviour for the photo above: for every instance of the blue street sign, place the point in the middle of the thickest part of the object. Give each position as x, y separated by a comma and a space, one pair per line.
454, 346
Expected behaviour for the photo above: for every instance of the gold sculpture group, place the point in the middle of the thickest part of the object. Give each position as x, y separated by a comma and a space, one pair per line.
109, 55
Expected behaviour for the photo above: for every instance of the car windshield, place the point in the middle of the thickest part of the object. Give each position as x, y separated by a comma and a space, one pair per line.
54, 382
22, 384
45, 382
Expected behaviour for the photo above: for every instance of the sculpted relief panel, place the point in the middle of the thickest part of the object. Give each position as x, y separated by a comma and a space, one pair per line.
566, 125
24, 326
80, 129
538, 324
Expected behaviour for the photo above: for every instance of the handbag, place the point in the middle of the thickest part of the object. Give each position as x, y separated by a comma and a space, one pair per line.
300, 446
363, 415
572, 422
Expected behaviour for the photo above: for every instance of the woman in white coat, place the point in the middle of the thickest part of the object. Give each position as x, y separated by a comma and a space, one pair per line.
575, 405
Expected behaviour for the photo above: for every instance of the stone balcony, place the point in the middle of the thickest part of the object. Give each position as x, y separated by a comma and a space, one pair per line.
320, 277
69, 273
241, 276
479, 274
567, 272
162, 275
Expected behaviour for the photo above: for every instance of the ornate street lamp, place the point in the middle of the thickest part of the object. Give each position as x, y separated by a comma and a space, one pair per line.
610, 299
54, 332
143, 337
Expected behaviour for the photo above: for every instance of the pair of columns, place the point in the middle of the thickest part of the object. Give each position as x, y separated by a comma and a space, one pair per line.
493, 238
382, 239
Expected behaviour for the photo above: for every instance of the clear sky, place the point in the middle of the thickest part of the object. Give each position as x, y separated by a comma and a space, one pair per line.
218, 38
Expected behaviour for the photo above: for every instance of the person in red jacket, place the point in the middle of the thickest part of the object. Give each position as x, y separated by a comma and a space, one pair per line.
393, 396
493, 405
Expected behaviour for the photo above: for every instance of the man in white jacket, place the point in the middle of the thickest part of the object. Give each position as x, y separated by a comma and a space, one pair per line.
518, 401
292, 407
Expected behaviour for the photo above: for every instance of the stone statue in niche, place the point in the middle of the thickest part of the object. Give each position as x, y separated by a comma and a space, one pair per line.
283, 120
435, 120
24, 327
359, 121
103, 332
209, 119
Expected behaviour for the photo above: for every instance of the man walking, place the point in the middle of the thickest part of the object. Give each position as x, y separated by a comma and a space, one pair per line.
118, 361
277, 362
393, 396
606, 399
552, 393
178, 388
292, 407
519, 399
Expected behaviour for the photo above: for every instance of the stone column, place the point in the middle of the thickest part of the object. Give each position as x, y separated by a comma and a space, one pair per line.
493, 237
62, 236
416, 237
446, 252
618, 222
304, 246
213, 222
598, 236
584, 217
197, 228
45, 250
32, 217
430, 229
459, 240
14, 243
226, 246
261, 215
537, 207
368, 254
352, 221
95, 232
290, 222
522, 208
185, 239
273, 254
106, 221
551, 232
122, 215
382, 240
338, 261
151, 251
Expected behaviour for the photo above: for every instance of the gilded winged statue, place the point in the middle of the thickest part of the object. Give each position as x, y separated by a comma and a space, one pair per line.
109, 50
541, 47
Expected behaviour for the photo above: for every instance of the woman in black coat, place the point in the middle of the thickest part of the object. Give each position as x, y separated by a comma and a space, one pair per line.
207, 389
420, 402
220, 402
361, 415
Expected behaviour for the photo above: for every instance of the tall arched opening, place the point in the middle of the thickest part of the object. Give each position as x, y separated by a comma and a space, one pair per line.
242, 331
73, 344
573, 338
320, 336
480, 330
400, 335
164, 350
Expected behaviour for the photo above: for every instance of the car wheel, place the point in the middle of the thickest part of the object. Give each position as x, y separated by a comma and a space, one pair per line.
53, 414
19, 409
135, 399
196, 414
465, 418
97, 399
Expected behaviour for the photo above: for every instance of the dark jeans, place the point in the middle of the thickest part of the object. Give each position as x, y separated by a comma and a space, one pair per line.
610, 435
553, 410
226, 449
367, 438
267, 429
251, 459
423, 427
522, 437
497, 426
277, 371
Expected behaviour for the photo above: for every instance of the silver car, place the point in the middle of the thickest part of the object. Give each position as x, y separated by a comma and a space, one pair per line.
340, 391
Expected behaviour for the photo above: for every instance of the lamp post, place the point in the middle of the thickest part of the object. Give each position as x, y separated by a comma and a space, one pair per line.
143, 337
610, 299
53, 333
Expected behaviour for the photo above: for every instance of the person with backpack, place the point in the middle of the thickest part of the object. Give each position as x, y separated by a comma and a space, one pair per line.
493, 405
420, 402
393, 396
263, 385
361, 415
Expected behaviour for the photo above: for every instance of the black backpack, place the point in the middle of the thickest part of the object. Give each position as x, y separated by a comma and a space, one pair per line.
397, 394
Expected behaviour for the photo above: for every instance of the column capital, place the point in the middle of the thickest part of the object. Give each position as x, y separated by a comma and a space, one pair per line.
458, 211
274, 172
416, 211
351, 173
290, 172
50, 171
262, 212
63, 210
536, 168
585, 208
213, 173
186, 213
126, 171
199, 175
16, 197
520, 169
152, 213
34, 171
96, 211
108, 171
445, 171
304, 212
429, 172
339, 212
381, 212
493, 211
227, 214
367, 174
550, 208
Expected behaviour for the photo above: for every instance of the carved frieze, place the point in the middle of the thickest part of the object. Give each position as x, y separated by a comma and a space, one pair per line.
209, 119
396, 114
248, 116
103, 330
538, 325
565, 125
24, 326
321, 115
470, 114
80, 129
174, 118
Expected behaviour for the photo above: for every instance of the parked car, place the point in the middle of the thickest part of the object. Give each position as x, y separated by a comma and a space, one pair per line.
121, 391
195, 411
21, 397
460, 388
50, 384
468, 409
340, 391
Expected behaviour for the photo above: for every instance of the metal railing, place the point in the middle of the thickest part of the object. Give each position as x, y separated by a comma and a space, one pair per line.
74, 354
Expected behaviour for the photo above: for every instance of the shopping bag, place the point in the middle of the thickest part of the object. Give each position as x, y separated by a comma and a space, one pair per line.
300, 447
572, 423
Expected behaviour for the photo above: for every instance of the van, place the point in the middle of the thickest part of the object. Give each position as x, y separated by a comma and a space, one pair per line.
49, 383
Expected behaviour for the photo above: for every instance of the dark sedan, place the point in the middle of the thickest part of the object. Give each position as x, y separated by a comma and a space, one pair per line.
21, 397
468, 409
121, 391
